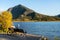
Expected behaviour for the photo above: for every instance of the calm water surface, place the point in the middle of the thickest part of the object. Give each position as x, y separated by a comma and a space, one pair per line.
48, 29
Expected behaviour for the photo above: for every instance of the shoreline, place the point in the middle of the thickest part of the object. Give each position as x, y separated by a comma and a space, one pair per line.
36, 21
21, 36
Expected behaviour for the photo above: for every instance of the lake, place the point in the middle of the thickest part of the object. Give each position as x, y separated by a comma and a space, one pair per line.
47, 29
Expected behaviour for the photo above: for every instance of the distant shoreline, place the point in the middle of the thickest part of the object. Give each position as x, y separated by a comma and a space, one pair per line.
36, 21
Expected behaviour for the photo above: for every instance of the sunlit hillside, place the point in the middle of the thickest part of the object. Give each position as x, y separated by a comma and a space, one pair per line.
22, 13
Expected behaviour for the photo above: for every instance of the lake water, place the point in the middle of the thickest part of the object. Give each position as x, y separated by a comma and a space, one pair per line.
47, 29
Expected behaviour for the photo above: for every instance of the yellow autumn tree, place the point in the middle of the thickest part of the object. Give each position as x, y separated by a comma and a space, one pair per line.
6, 20
0, 22
0, 19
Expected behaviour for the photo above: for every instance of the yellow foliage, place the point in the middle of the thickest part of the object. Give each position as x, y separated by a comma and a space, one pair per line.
0, 18
6, 18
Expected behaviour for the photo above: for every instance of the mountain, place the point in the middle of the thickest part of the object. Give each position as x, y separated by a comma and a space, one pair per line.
22, 13
58, 15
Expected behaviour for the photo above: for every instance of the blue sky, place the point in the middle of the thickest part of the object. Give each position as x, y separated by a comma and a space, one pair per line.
47, 7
